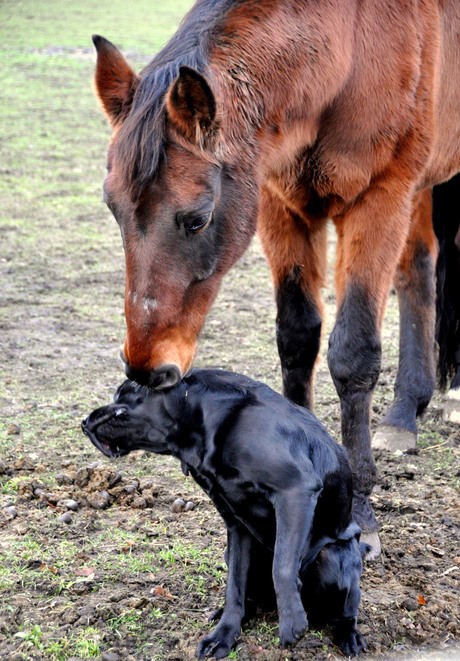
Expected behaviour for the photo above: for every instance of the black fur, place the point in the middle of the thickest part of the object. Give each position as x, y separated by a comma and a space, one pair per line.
354, 359
417, 367
298, 334
281, 484
446, 221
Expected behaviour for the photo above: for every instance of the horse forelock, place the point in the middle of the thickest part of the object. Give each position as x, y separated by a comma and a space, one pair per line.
141, 140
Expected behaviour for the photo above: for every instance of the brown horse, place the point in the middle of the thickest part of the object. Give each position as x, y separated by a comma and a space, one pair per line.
280, 114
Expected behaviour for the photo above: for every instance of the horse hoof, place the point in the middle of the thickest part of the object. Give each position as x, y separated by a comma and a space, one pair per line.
452, 407
372, 539
394, 439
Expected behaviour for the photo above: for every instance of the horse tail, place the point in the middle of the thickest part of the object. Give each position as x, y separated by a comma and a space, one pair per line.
446, 222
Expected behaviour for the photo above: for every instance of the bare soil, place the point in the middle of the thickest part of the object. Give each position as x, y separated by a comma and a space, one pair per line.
143, 572
98, 559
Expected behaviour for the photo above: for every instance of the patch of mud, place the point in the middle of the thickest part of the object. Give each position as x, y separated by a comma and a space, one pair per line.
409, 596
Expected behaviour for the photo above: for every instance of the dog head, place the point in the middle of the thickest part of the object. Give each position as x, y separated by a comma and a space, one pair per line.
137, 420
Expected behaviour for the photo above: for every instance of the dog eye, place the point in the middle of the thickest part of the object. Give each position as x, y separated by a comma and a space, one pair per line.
198, 223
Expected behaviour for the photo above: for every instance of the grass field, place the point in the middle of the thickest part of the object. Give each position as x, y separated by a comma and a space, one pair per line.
137, 579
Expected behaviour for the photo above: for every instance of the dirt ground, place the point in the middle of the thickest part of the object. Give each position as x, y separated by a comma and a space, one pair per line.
124, 560
101, 560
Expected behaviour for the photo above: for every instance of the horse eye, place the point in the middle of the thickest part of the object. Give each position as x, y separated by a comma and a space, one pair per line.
199, 223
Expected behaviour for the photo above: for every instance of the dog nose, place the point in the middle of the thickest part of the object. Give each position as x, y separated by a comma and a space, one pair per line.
166, 376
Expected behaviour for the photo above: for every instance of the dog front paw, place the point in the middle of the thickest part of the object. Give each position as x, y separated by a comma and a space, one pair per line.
292, 627
352, 645
218, 643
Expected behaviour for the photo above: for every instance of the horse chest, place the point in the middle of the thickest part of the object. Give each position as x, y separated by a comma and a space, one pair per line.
319, 183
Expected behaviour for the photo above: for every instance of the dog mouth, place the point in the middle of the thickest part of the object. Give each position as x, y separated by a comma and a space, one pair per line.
99, 433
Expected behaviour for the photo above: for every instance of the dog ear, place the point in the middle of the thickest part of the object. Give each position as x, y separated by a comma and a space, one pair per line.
115, 81
190, 104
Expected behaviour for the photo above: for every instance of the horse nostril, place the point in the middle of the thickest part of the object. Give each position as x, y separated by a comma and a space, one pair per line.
166, 376
122, 355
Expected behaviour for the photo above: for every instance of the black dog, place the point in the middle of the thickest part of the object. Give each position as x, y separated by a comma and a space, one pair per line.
281, 484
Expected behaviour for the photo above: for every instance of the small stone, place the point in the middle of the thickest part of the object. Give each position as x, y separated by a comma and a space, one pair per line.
50, 497
63, 478
115, 480
410, 604
409, 471
13, 430
189, 505
149, 499
95, 464
139, 503
82, 477
24, 464
11, 512
178, 505
436, 550
8, 503
98, 500
110, 656
70, 504
65, 518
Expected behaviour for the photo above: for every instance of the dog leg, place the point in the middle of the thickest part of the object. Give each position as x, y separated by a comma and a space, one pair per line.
332, 594
294, 517
220, 641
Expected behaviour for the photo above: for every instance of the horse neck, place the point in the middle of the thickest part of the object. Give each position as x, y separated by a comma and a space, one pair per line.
276, 66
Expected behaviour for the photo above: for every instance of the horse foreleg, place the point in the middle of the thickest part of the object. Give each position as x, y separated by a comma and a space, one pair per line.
415, 285
296, 253
371, 237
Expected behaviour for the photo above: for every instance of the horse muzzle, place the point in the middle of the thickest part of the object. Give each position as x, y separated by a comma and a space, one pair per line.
164, 376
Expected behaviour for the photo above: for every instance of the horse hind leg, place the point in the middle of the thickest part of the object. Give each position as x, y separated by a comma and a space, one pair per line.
296, 253
415, 286
446, 219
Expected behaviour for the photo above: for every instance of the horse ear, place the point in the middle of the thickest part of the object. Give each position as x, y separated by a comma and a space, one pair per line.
191, 104
115, 81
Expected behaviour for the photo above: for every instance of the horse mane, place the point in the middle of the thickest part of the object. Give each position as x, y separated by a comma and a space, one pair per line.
141, 140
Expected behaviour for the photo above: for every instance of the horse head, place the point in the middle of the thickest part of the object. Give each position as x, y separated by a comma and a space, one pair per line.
184, 212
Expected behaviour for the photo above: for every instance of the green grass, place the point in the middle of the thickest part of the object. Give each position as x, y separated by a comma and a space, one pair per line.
142, 26
62, 321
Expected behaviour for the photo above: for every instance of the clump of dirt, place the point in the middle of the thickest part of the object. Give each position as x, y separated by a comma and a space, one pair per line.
96, 485
409, 596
